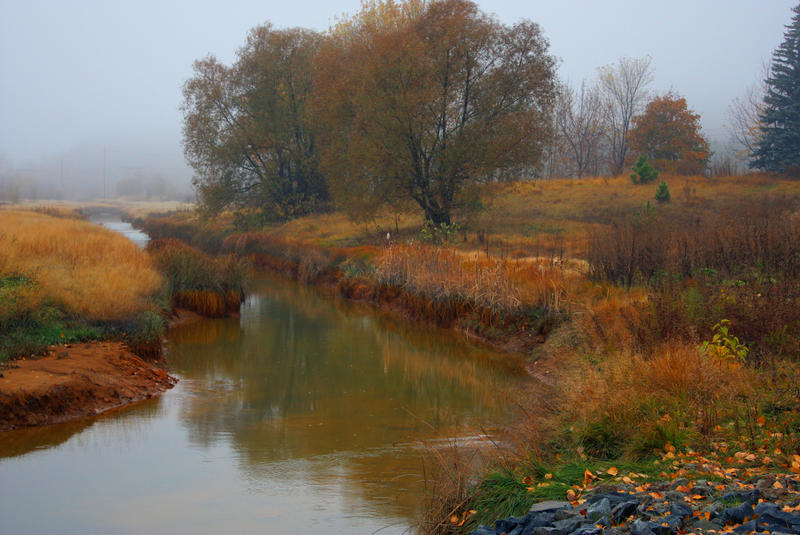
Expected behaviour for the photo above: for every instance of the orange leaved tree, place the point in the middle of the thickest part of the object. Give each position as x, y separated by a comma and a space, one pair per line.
668, 133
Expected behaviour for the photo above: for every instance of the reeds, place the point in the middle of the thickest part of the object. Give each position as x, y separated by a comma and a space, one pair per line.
502, 285
86, 269
211, 286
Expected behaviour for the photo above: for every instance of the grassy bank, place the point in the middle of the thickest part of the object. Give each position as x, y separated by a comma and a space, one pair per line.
671, 330
63, 279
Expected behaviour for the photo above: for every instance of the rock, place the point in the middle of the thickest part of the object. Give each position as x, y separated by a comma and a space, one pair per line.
779, 520
738, 514
749, 496
599, 509
623, 510
681, 510
568, 525
680, 482
484, 530
507, 525
548, 506
563, 514
704, 525
642, 527
547, 531
749, 527
674, 496
588, 529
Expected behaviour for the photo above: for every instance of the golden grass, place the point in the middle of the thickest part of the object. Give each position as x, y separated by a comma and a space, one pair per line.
89, 270
499, 284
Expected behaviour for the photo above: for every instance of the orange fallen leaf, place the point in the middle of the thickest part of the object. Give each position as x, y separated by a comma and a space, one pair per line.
777, 485
548, 476
627, 480
571, 495
612, 471
698, 497
527, 480
454, 519
683, 489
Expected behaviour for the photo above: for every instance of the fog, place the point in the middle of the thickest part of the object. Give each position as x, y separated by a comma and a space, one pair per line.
90, 90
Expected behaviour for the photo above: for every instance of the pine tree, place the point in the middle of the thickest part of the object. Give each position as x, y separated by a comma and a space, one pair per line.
778, 149
662, 192
643, 172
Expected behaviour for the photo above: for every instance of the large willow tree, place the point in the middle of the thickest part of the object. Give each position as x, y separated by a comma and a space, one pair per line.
246, 132
417, 100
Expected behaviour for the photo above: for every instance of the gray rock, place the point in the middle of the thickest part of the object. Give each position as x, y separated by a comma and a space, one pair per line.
484, 530
549, 530
563, 514
552, 505
642, 527
623, 510
681, 510
738, 514
749, 527
588, 529
704, 525
599, 509
568, 525
674, 496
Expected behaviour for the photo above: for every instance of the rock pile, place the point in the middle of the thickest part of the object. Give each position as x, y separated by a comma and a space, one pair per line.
769, 505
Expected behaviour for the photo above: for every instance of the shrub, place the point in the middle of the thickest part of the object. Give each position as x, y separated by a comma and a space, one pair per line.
662, 192
643, 172
212, 286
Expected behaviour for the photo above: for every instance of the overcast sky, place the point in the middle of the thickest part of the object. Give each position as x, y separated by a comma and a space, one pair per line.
85, 74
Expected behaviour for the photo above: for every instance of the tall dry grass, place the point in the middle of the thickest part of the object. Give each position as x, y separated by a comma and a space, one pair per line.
86, 269
503, 285
210, 285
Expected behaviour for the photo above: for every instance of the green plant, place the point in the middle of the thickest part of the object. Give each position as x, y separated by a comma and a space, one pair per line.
662, 192
441, 233
724, 345
643, 172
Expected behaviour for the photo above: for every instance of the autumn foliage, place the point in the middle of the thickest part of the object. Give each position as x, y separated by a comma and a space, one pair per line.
668, 133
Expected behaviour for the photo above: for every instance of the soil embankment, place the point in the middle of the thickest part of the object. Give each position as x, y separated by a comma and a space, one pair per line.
76, 381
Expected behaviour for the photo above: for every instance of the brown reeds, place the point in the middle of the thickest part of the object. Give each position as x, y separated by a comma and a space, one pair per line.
85, 268
211, 286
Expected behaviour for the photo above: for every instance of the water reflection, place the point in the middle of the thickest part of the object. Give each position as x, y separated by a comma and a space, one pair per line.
305, 415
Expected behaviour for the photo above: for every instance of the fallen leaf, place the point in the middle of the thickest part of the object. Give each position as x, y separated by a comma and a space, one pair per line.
627, 480
527, 480
777, 485
571, 495
612, 471
548, 476
454, 519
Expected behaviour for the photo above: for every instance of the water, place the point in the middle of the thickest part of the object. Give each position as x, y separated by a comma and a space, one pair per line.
305, 415
126, 229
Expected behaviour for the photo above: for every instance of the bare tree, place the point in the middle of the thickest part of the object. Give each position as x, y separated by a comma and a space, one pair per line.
624, 93
580, 125
744, 115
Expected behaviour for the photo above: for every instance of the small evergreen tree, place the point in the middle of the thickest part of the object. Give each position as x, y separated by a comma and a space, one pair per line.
662, 192
643, 172
778, 149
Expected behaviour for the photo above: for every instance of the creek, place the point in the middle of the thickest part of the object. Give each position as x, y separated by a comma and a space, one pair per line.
306, 414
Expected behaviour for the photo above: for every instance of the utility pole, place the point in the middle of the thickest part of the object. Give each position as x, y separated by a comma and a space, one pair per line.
104, 172
61, 177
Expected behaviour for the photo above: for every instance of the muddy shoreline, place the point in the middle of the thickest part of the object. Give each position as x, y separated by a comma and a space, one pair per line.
76, 381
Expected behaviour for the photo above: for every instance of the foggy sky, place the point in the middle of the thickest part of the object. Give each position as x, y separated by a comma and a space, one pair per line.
79, 75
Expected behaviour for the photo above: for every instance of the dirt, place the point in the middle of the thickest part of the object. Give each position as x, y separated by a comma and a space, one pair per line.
75, 381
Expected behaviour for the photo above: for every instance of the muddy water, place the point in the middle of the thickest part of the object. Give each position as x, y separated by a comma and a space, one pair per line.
305, 415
